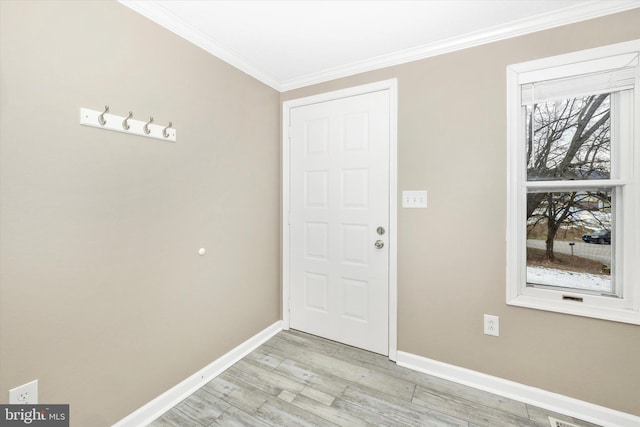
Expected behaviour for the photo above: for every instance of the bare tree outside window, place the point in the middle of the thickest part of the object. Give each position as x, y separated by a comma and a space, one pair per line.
570, 140
573, 188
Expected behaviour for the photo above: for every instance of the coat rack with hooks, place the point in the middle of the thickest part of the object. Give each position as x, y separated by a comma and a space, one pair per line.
106, 120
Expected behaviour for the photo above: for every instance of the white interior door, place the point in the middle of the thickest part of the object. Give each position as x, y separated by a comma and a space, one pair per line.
339, 220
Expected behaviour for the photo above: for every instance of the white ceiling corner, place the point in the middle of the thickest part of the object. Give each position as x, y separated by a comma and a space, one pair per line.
292, 44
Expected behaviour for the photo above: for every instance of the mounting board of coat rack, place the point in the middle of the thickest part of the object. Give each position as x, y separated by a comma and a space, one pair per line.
146, 128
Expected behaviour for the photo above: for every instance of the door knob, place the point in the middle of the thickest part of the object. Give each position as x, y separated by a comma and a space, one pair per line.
379, 244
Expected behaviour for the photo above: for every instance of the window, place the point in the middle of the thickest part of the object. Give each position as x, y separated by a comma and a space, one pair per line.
573, 198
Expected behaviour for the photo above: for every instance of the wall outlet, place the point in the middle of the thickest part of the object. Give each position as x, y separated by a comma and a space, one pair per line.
491, 325
26, 394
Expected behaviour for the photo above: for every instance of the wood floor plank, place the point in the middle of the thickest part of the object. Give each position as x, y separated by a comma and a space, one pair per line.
349, 371
234, 417
236, 393
296, 379
175, 418
369, 417
474, 412
286, 396
268, 381
442, 386
203, 407
262, 357
365, 358
325, 383
459, 391
318, 396
329, 413
399, 410
163, 421
310, 342
278, 413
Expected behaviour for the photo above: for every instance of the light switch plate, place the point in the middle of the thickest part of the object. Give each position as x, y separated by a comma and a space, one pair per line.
414, 199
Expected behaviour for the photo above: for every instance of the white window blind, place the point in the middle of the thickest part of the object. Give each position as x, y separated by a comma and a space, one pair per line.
611, 69
604, 75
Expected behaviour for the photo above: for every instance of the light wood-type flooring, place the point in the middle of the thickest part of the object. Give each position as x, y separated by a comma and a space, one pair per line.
296, 379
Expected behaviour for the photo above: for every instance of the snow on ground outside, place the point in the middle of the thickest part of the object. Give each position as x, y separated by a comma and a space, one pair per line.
568, 279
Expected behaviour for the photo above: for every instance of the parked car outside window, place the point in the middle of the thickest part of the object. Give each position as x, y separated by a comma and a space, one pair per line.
600, 236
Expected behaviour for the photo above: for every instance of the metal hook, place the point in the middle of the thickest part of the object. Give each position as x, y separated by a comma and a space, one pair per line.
101, 119
164, 131
146, 126
125, 125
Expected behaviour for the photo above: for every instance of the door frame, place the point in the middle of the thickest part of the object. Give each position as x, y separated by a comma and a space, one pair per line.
392, 86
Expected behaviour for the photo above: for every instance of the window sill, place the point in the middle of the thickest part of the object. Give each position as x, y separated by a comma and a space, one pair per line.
577, 309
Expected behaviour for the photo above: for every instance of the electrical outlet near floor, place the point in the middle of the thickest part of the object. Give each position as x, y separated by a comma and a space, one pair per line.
26, 394
491, 325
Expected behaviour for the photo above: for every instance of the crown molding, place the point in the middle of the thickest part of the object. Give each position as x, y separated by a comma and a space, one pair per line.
154, 11
582, 12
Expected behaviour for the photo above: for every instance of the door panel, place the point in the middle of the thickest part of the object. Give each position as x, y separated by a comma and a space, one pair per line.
339, 181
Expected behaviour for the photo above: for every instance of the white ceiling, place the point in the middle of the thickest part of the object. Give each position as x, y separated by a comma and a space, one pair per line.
291, 44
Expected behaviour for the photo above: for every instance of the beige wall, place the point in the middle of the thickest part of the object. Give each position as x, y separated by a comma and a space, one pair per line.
451, 256
103, 296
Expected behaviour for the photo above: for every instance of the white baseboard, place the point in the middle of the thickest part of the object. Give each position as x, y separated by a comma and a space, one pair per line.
167, 400
544, 399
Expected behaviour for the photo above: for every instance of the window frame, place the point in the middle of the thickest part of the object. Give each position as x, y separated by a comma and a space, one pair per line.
626, 185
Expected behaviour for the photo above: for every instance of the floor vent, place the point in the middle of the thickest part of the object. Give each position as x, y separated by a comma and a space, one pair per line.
557, 423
